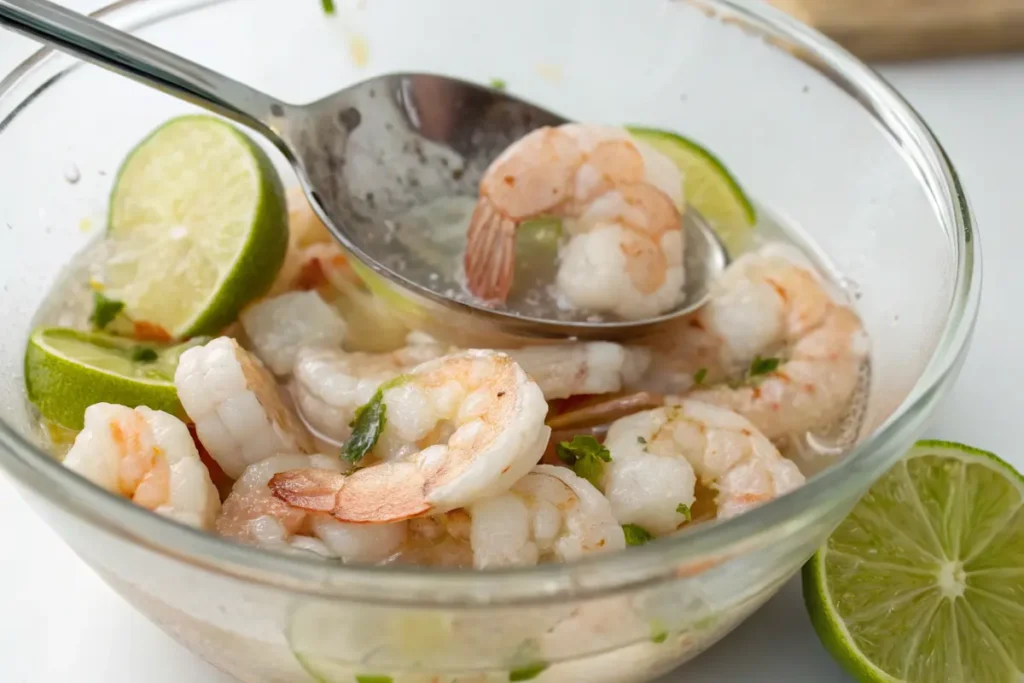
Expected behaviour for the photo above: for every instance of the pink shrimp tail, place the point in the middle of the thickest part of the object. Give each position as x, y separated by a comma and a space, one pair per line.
490, 252
315, 490
386, 492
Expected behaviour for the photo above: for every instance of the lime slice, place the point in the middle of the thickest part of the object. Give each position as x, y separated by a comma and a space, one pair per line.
707, 185
199, 227
924, 581
66, 371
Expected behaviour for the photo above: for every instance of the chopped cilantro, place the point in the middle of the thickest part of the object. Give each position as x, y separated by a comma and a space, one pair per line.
528, 672
104, 310
367, 425
636, 535
658, 633
698, 377
641, 440
684, 510
498, 83
328, 6
762, 366
586, 455
143, 354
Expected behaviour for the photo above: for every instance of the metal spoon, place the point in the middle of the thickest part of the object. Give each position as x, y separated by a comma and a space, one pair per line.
366, 156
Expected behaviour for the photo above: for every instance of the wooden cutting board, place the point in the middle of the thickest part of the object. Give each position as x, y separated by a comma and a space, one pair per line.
911, 29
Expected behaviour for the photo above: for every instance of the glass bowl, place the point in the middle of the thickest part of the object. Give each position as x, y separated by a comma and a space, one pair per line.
813, 134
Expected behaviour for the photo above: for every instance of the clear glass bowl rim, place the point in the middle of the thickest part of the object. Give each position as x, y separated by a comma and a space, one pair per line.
653, 563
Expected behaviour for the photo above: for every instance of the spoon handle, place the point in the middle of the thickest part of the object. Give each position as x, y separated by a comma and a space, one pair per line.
118, 51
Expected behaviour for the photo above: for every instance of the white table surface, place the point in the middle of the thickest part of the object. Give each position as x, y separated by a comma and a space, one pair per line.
59, 622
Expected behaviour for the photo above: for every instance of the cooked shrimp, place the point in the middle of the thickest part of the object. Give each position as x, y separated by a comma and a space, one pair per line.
252, 514
238, 410
582, 368
620, 201
279, 326
147, 456
460, 429
550, 515
658, 454
330, 384
771, 304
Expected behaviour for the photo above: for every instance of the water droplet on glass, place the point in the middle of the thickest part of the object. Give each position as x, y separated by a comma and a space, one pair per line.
72, 174
851, 287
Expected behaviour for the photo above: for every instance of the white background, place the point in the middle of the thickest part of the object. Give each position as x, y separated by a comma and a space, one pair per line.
59, 622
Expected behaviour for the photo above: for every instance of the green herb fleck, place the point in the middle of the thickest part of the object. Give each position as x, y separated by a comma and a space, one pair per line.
658, 633
762, 366
498, 83
367, 425
641, 440
528, 672
373, 678
328, 6
394, 382
143, 354
104, 310
698, 377
586, 455
684, 510
636, 535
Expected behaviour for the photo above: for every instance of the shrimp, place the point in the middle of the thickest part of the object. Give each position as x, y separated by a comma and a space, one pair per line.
582, 368
238, 410
657, 456
550, 515
620, 201
331, 384
278, 327
459, 429
147, 456
252, 514
772, 305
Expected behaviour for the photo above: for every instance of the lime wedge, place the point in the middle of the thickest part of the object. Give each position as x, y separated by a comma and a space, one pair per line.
199, 226
924, 581
707, 185
66, 371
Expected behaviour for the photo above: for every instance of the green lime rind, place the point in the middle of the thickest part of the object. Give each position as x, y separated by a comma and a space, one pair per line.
707, 184
245, 274
928, 568
66, 371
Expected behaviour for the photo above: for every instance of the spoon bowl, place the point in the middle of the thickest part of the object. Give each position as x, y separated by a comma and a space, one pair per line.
369, 154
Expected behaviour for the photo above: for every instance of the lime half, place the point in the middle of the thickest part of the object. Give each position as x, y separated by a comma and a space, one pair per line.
199, 227
66, 371
924, 581
707, 185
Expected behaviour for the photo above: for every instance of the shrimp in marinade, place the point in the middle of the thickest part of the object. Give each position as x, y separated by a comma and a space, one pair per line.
331, 384
252, 514
772, 344
458, 429
550, 515
620, 201
658, 455
147, 456
238, 410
